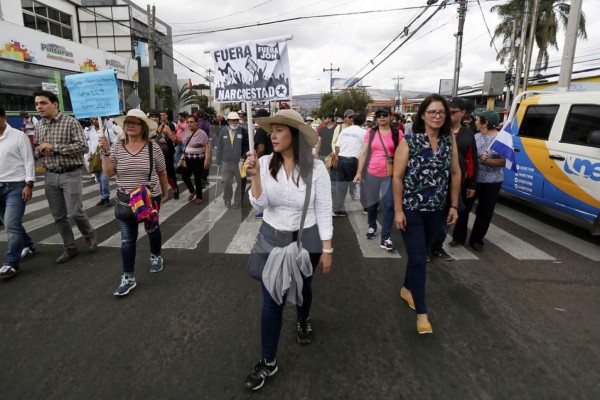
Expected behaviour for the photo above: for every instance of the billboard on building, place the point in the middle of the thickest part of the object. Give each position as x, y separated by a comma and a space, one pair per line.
26, 45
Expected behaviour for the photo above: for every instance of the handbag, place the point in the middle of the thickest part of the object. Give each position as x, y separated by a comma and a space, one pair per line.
95, 162
260, 251
389, 165
181, 165
123, 211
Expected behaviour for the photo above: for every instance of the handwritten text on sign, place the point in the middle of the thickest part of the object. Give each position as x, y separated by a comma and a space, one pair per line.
94, 94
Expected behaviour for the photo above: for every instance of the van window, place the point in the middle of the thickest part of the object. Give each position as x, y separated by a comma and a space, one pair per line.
583, 119
538, 121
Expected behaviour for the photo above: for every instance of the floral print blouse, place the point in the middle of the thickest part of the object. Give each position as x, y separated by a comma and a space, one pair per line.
427, 174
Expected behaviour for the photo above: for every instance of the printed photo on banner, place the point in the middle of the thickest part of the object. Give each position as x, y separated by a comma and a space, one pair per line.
252, 71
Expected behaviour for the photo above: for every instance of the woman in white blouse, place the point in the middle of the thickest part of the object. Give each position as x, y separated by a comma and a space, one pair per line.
278, 190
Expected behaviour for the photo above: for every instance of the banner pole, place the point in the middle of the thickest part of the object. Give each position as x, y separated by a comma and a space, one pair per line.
250, 125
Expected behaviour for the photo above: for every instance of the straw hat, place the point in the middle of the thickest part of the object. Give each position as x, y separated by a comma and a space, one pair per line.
139, 114
233, 115
293, 119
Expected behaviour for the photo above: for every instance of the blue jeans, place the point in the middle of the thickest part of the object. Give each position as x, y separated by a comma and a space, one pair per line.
272, 312
178, 153
129, 235
375, 187
103, 185
12, 208
421, 229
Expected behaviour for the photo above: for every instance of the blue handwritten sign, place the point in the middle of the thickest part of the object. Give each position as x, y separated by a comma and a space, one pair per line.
94, 94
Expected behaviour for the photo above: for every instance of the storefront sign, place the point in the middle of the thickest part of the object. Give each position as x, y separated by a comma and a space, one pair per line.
251, 71
27, 45
94, 94
51, 87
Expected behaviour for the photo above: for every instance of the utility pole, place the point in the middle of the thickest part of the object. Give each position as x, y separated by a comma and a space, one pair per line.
398, 79
209, 72
151, 10
462, 12
519, 66
511, 63
566, 69
532, 28
331, 70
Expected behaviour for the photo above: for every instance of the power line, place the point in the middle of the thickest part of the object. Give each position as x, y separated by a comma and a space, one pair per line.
223, 17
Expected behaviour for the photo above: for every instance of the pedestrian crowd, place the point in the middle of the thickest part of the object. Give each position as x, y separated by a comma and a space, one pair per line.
423, 174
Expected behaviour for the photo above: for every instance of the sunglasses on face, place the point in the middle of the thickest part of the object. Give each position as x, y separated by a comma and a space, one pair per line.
383, 115
132, 123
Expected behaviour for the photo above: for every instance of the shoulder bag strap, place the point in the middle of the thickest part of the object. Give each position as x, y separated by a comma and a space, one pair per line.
387, 155
151, 157
188, 141
305, 208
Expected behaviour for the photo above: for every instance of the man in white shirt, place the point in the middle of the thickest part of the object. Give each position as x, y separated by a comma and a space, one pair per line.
347, 148
17, 175
92, 133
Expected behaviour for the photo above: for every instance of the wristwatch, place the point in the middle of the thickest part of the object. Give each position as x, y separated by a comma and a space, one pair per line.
29, 184
328, 251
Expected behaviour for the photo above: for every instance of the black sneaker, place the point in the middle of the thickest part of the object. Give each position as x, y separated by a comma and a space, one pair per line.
371, 233
339, 214
8, 271
441, 253
387, 244
304, 331
256, 379
27, 253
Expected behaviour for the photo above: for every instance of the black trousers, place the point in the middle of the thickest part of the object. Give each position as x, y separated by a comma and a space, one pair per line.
195, 166
487, 195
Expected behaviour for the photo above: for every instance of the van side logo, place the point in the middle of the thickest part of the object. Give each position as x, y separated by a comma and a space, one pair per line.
582, 167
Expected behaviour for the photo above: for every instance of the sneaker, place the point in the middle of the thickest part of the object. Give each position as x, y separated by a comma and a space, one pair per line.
27, 253
8, 271
256, 379
339, 214
371, 233
304, 333
156, 263
92, 243
259, 216
126, 285
441, 253
67, 254
365, 211
387, 244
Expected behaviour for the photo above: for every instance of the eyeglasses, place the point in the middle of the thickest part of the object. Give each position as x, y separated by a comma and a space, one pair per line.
383, 115
436, 113
133, 123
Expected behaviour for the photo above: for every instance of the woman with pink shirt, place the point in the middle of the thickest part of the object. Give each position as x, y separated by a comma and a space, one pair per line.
194, 142
373, 169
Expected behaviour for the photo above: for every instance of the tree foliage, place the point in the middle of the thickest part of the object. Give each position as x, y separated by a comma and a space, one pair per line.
355, 99
552, 14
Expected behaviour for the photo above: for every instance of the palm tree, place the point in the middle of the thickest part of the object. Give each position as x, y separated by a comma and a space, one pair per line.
551, 15
184, 97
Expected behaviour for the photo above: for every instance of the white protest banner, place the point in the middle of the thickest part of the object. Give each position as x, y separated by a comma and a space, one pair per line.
94, 94
251, 71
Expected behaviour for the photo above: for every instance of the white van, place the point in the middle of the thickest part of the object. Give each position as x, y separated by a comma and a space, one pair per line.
556, 138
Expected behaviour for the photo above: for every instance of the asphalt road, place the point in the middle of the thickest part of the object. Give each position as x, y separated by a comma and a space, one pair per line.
504, 328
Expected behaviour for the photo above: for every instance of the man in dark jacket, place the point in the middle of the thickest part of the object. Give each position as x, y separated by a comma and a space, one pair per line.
467, 159
231, 148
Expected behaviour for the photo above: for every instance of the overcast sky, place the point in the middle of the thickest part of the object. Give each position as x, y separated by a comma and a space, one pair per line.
350, 41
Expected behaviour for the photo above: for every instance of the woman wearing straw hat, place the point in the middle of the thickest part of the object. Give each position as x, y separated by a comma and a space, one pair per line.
130, 161
278, 190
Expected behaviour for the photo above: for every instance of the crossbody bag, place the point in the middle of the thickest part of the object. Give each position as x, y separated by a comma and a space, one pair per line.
123, 211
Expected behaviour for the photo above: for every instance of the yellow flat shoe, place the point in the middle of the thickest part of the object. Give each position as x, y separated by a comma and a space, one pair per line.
407, 297
424, 327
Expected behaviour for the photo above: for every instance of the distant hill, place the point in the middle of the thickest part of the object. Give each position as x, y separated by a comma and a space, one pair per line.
312, 101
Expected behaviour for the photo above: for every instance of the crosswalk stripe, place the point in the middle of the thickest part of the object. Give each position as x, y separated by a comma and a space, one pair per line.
194, 231
47, 219
40, 205
583, 248
369, 248
459, 252
511, 244
243, 241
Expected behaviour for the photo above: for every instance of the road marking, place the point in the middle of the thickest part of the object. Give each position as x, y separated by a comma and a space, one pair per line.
243, 241
459, 252
573, 243
368, 248
511, 244
40, 205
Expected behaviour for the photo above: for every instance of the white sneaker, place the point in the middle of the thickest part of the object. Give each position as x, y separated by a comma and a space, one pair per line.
27, 253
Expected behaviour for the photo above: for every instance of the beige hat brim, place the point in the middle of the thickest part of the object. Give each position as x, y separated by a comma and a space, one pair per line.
152, 126
307, 131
